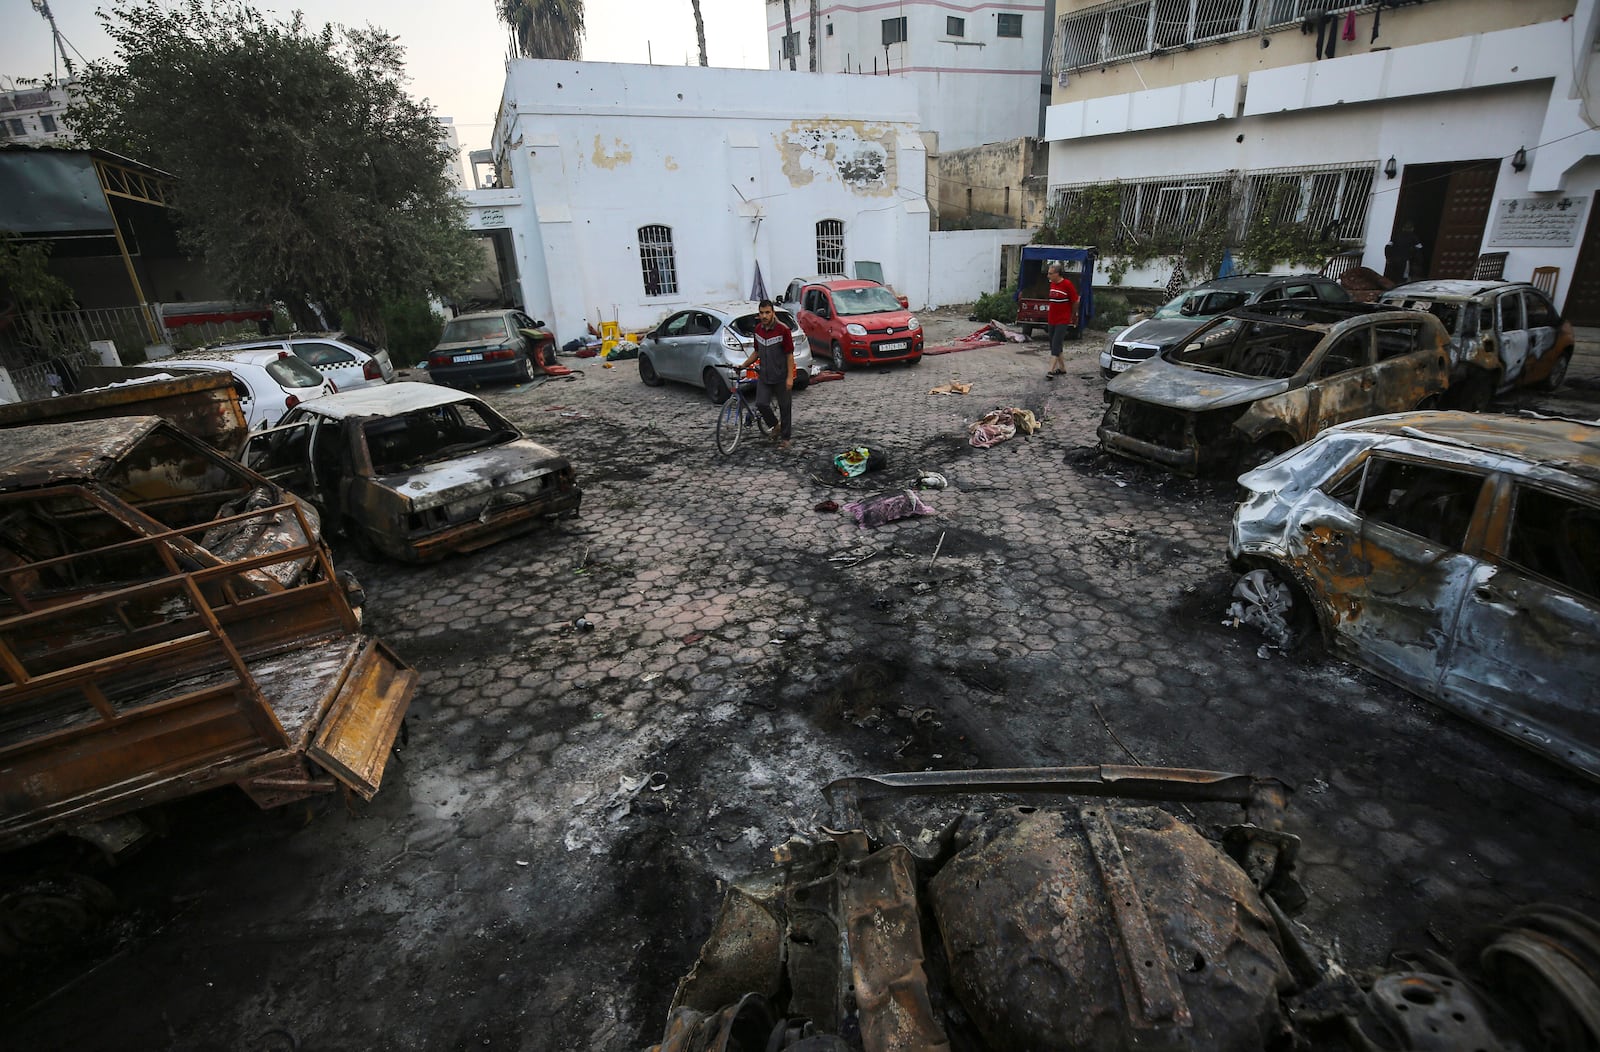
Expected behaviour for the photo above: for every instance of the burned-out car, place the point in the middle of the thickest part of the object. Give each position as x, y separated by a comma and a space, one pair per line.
170, 622
1258, 381
1457, 555
416, 471
1503, 334
1016, 917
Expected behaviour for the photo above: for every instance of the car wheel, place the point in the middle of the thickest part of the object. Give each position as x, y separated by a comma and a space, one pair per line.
716, 387
356, 535
1268, 601
802, 379
1475, 392
1558, 373
647, 372
836, 357
525, 372
915, 359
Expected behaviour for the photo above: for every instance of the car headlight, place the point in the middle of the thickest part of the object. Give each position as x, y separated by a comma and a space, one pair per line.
912, 325
856, 330
730, 340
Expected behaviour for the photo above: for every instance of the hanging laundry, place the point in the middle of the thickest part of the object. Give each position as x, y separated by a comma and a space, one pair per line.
1350, 26
1377, 20
1331, 24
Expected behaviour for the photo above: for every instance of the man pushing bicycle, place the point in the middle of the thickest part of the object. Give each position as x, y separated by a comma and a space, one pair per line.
774, 358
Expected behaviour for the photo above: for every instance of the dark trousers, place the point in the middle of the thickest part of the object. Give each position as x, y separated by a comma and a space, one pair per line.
765, 393
1058, 335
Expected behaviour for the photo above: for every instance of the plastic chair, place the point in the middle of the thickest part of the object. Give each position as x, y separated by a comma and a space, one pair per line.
1544, 279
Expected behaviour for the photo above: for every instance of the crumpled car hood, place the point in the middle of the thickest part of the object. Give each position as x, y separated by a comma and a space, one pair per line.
1160, 332
1161, 382
497, 467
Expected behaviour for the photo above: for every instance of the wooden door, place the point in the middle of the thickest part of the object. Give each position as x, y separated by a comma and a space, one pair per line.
1583, 294
1468, 195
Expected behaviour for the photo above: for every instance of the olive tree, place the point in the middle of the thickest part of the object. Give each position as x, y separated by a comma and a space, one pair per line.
305, 170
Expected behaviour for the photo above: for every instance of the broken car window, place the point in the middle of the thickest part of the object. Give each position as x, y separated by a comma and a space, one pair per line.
1510, 306
398, 443
746, 325
1431, 502
1557, 539
1250, 348
1396, 339
292, 372
1350, 351
1540, 313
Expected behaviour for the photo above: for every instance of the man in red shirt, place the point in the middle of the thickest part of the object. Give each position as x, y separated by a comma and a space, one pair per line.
1062, 315
774, 355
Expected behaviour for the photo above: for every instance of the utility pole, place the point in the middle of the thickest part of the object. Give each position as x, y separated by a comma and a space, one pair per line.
55, 35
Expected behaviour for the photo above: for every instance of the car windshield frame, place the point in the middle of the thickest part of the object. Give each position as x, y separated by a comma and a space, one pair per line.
403, 442
1174, 307
869, 299
475, 330
1243, 350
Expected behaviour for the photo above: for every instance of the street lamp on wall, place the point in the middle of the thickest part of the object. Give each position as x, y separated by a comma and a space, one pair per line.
1519, 160
1390, 168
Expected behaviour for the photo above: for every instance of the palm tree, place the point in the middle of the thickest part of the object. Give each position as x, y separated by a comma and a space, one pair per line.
544, 28
812, 22
700, 31
788, 31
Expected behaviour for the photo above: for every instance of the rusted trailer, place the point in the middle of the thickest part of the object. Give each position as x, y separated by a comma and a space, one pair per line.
205, 405
171, 622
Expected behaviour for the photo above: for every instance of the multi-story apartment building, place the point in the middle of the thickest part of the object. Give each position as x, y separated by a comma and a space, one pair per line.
33, 114
977, 65
1457, 134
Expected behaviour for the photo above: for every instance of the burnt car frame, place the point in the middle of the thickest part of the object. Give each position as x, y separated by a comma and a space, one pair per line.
1455, 554
1255, 382
170, 622
1503, 335
416, 471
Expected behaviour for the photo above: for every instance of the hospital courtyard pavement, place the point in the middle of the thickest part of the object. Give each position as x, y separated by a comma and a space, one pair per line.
512, 887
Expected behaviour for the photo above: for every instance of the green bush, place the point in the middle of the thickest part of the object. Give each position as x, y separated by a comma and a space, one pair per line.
1110, 310
413, 330
997, 306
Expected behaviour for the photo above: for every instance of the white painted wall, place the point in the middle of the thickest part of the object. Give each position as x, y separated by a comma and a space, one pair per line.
974, 89
1499, 91
722, 156
965, 264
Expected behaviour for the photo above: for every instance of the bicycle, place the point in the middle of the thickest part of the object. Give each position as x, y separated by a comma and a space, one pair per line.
739, 415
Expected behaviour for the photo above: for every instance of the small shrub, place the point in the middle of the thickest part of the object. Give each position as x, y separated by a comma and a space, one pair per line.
997, 306
413, 330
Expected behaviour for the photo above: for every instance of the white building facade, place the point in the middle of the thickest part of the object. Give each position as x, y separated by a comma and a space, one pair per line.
1462, 125
34, 115
977, 67
629, 191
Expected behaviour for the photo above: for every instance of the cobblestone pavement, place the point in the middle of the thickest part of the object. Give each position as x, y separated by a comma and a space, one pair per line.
512, 886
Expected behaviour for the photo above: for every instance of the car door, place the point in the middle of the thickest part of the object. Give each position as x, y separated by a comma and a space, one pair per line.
1542, 326
1395, 570
333, 362
1342, 380
1526, 653
283, 453
1408, 365
1512, 331
672, 345
813, 321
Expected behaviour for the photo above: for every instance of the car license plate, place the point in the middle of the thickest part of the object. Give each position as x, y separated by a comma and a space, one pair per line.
1118, 365
897, 345
468, 358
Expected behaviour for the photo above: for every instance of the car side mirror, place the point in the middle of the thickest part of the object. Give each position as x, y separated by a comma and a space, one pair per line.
538, 325
1192, 347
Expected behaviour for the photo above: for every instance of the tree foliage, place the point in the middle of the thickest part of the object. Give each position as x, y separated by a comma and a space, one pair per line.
305, 169
544, 28
26, 284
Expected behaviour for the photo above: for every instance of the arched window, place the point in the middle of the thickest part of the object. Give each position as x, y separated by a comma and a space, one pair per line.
830, 246
656, 260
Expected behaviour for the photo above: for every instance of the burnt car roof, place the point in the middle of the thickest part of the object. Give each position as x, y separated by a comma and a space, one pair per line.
1569, 444
65, 452
1310, 314
403, 396
1450, 288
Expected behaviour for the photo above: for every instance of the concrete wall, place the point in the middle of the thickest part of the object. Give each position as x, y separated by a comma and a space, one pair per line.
598, 150
964, 264
973, 89
990, 186
1286, 45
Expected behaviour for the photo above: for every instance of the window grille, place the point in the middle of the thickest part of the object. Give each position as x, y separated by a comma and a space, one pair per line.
830, 246
657, 261
1126, 29
1008, 25
894, 30
955, 27
1328, 199
791, 44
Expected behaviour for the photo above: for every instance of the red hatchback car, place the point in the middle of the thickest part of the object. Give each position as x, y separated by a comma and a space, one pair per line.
855, 322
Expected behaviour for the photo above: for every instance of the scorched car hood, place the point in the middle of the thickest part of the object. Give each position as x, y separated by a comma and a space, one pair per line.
1160, 332
1160, 382
487, 469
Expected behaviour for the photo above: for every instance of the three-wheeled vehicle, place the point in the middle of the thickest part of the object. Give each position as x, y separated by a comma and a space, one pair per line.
1033, 285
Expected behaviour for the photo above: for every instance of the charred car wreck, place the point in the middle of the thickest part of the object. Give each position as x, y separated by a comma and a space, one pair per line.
416, 471
1455, 554
170, 622
1258, 381
1068, 927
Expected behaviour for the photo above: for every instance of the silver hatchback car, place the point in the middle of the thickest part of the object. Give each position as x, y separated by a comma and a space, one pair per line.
697, 345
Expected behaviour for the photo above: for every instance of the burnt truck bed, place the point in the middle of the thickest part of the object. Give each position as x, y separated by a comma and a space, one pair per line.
204, 405
170, 623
